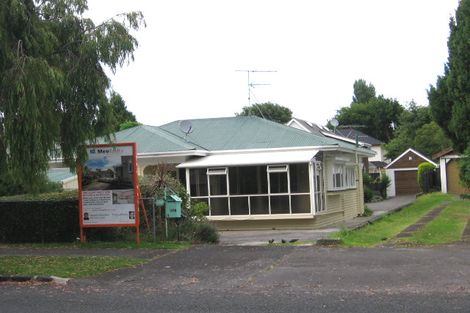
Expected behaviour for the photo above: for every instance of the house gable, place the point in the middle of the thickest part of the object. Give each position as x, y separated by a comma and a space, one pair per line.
409, 159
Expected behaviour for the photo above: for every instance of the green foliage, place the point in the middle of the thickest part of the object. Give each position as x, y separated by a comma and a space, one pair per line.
128, 124
464, 165
368, 194
425, 172
375, 116
50, 196
367, 212
270, 111
384, 182
391, 225
53, 84
363, 92
194, 225
123, 119
64, 266
450, 98
417, 130
206, 233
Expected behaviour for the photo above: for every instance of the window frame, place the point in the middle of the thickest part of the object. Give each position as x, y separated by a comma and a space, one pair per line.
270, 168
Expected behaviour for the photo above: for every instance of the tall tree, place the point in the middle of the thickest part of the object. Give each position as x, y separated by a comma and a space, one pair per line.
417, 130
373, 115
52, 82
363, 92
450, 98
270, 111
120, 112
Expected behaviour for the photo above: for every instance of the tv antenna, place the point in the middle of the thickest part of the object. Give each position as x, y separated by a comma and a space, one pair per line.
186, 127
250, 84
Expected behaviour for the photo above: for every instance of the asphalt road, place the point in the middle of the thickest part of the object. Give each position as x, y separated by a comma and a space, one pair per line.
266, 279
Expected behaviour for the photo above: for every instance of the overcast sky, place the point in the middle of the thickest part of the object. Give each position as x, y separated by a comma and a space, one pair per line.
185, 66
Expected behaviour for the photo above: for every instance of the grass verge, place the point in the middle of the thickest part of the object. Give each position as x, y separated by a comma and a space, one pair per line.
390, 225
63, 266
107, 245
446, 228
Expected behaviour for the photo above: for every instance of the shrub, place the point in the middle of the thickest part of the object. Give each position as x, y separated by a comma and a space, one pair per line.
205, 232
368, 194
384, 183
367, 211
39, 221
425, 173
464, 165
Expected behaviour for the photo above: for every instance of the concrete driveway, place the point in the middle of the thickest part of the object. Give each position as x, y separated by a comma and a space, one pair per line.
266, 279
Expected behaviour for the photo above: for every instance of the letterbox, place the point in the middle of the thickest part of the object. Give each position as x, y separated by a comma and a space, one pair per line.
173, 206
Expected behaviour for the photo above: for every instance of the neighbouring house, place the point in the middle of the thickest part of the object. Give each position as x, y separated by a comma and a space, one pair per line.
64, 176
374, 164
257, 174
403, 173
377, 162
449, 172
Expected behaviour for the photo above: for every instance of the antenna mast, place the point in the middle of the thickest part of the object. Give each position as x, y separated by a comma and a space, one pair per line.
250, 84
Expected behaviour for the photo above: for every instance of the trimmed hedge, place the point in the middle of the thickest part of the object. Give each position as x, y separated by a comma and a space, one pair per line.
39, 221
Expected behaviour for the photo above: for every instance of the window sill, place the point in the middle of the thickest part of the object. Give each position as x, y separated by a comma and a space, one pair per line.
336, 191
261, 217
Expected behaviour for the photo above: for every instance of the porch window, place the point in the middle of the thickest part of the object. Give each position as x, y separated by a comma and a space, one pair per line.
253, 190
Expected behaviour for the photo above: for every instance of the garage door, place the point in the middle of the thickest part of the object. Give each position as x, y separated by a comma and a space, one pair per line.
406, 183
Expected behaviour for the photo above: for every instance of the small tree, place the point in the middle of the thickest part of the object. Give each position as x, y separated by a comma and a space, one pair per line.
464, 164
425, 174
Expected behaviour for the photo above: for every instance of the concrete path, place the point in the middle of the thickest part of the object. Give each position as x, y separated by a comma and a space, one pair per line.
256, 238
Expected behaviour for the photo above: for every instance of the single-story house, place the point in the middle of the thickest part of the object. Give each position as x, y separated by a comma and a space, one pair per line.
403, 173
254, 173
449, 172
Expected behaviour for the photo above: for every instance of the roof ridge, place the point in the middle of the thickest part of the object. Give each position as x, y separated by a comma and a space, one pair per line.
170, 136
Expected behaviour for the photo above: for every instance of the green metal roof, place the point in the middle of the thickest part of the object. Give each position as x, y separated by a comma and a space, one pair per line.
228, 133
248, 132
59, 174
152, 139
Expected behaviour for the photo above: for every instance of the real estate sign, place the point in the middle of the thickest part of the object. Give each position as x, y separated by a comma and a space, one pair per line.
108, 187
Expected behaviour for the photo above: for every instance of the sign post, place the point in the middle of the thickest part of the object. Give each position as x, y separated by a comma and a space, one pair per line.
108, 193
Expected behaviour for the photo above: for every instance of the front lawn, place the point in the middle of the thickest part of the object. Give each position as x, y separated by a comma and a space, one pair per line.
446, 228
391, 225
63, 266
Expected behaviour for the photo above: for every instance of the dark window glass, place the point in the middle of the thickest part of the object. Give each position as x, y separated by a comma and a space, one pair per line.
249, 180
278, 182
280, 205
299, 178
198, 182
182, 176
239, 206
259, 205
219, 206
218, 184
300, 204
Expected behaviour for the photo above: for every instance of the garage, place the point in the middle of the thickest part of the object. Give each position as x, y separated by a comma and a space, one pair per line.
403, 172
406, 183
